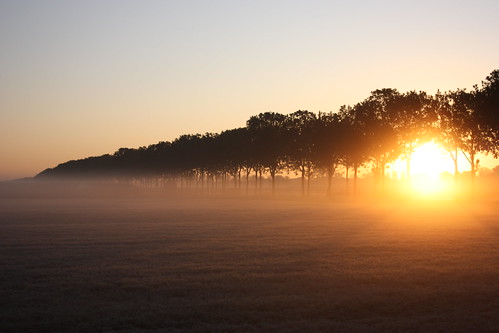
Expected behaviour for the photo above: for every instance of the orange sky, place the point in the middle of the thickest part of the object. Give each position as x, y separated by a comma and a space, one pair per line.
86, 78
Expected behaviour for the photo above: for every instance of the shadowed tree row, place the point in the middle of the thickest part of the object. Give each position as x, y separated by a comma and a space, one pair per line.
386, 125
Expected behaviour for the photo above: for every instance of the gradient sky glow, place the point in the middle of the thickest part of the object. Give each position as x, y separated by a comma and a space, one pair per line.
84, 78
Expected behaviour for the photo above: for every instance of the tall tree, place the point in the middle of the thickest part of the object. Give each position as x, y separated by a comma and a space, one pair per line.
301, 141
356, 141
267, 131
474, 132
488, 109
329, 146
379, 123
448, 127
412, 118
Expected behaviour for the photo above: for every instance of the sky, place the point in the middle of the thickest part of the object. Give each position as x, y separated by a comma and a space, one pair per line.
84, 78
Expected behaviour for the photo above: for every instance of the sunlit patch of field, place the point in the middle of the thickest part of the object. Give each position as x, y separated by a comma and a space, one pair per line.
218, 264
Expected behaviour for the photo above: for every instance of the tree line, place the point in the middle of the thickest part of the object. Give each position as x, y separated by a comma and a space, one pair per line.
386, 125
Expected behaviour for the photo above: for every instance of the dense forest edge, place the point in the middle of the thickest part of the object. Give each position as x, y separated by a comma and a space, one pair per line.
385, 126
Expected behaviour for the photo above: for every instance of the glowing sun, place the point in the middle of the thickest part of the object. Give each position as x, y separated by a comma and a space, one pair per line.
429, 163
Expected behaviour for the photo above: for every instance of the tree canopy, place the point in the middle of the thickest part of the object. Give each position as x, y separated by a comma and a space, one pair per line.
376, 131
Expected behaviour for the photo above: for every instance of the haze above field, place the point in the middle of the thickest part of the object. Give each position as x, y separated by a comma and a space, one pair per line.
222, 263
86, 78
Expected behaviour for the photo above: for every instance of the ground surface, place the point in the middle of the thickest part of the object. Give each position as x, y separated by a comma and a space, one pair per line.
176, 264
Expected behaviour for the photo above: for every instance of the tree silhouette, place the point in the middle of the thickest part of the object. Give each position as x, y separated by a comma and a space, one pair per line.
376, 131
378, 117
412, 119
473, 134
301, 127
268, 136
356, 151
330, 137
448, 127
488, 110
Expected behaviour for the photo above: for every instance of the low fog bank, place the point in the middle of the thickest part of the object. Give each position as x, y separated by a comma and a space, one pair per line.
483, 189
67, 188
98, 257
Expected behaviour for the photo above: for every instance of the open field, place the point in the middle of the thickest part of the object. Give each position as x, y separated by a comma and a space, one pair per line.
141, 263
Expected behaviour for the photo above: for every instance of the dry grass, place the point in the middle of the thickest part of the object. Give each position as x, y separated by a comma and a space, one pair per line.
174, 264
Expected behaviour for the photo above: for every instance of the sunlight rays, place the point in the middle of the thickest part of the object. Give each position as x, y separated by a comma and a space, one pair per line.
431, 170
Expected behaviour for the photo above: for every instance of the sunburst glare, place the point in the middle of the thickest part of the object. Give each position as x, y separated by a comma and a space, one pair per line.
430, 170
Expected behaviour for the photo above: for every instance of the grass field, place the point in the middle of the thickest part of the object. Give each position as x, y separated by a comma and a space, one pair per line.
141, 263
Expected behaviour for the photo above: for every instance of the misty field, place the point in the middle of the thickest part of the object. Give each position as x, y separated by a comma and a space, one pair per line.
102, 262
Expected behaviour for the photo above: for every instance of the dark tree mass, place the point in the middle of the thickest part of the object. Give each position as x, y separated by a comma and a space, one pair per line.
386, 125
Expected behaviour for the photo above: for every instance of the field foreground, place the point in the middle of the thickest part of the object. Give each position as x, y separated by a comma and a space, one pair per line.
176, 264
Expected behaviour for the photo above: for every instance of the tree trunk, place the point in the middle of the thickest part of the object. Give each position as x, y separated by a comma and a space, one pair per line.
256, 180
202, 181
329, 180
260, 181
471, 160
309, 174
302, 181
272, 174
408, 156
473, 170
356, 167
456, 170
346, 178
248, 171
